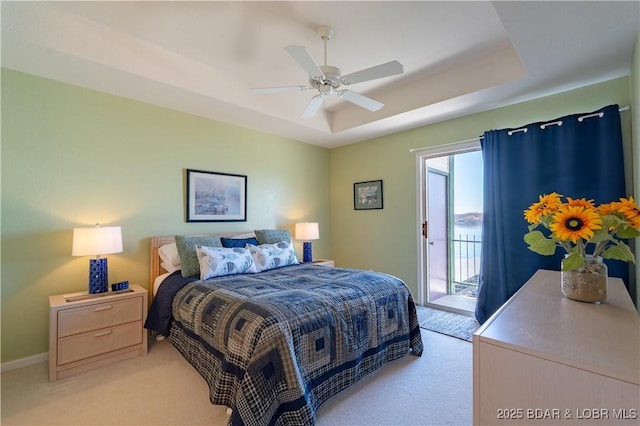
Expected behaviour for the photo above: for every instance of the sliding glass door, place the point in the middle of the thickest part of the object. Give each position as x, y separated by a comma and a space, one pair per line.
452, 229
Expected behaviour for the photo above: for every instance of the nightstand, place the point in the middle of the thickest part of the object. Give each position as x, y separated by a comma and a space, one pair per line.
323, 262
89, 332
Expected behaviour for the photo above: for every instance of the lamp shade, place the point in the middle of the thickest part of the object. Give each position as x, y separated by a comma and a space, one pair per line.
307, 231
96, 240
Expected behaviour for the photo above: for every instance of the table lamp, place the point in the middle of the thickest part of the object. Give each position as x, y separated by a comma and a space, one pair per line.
307, 231
97, 241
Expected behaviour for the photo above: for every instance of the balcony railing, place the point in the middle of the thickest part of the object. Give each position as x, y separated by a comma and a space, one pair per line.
466, 252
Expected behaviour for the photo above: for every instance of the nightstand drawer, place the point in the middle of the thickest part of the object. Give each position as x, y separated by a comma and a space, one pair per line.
94, 317
85, 345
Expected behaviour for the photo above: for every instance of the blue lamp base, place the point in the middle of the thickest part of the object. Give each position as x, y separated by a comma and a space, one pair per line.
306, 252
98, 276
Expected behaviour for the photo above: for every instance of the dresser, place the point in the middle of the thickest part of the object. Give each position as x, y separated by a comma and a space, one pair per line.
545, 359
88, 332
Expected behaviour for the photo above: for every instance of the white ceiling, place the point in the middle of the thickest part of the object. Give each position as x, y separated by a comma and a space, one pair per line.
202, 57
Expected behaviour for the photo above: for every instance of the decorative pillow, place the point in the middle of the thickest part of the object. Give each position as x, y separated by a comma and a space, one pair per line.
271, 256
218, 262
238, 242
187, 250
272, 236
170, 257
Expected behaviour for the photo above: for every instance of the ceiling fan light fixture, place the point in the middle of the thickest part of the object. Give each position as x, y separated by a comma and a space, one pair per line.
331, 78
326, 90
327, 79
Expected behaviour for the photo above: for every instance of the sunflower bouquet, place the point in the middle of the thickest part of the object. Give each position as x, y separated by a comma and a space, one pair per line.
576, 223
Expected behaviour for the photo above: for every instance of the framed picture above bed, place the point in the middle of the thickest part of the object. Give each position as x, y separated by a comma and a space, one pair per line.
367, 195
216, 197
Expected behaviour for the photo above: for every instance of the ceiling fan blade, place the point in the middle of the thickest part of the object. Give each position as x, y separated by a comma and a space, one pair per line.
313, 106
279, 89
361, 100
379, 71
304, 59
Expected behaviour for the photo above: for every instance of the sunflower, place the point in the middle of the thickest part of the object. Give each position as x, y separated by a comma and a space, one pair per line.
609, 208
579, 222
574, 223
582, 202
629, 209
548, 204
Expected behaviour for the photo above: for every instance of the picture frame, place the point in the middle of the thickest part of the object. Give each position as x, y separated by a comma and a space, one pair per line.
367, 195
215, 197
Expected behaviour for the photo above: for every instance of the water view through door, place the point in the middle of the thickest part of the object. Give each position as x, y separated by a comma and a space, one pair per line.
453, 230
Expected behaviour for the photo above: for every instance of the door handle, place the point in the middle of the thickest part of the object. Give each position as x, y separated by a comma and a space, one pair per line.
431, 244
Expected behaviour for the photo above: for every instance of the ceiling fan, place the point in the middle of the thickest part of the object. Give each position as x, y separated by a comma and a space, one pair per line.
327, 79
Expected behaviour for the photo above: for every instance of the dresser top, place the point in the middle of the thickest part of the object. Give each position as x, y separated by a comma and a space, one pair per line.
539, 320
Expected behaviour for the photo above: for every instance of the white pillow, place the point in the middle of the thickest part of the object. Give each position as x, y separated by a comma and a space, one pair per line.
169, 268
271, 256
170, 258
219, 261
244, 236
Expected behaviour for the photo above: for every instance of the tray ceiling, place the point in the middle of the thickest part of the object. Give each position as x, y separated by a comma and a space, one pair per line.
202, 57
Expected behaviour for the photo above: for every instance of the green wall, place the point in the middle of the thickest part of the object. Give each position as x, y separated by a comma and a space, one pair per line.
73, 157
386, 240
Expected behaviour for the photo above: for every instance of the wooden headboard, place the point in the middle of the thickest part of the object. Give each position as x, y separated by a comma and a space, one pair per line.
156, 242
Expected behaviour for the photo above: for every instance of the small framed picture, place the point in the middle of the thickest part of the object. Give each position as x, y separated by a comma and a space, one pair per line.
216, 197
367, 195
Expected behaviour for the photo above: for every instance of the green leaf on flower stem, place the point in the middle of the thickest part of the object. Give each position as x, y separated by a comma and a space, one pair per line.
546, 220
627, 231
610, 220
533, 236
620, 251
601, 235
572, 261
539, 243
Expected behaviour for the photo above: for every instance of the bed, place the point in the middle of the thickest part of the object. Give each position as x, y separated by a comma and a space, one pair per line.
274, 345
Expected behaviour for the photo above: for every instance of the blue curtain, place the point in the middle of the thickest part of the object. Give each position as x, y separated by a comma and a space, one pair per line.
576, 159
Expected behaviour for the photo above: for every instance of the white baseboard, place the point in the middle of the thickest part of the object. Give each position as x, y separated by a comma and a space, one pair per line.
24, 362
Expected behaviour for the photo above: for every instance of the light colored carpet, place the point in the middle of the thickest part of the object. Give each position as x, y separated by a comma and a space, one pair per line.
454, 325
161, 388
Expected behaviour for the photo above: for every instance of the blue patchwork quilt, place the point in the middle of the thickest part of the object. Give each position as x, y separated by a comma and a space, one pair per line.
274, 346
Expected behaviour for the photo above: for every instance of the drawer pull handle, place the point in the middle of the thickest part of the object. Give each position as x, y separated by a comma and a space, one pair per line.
103, 333
103, 308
